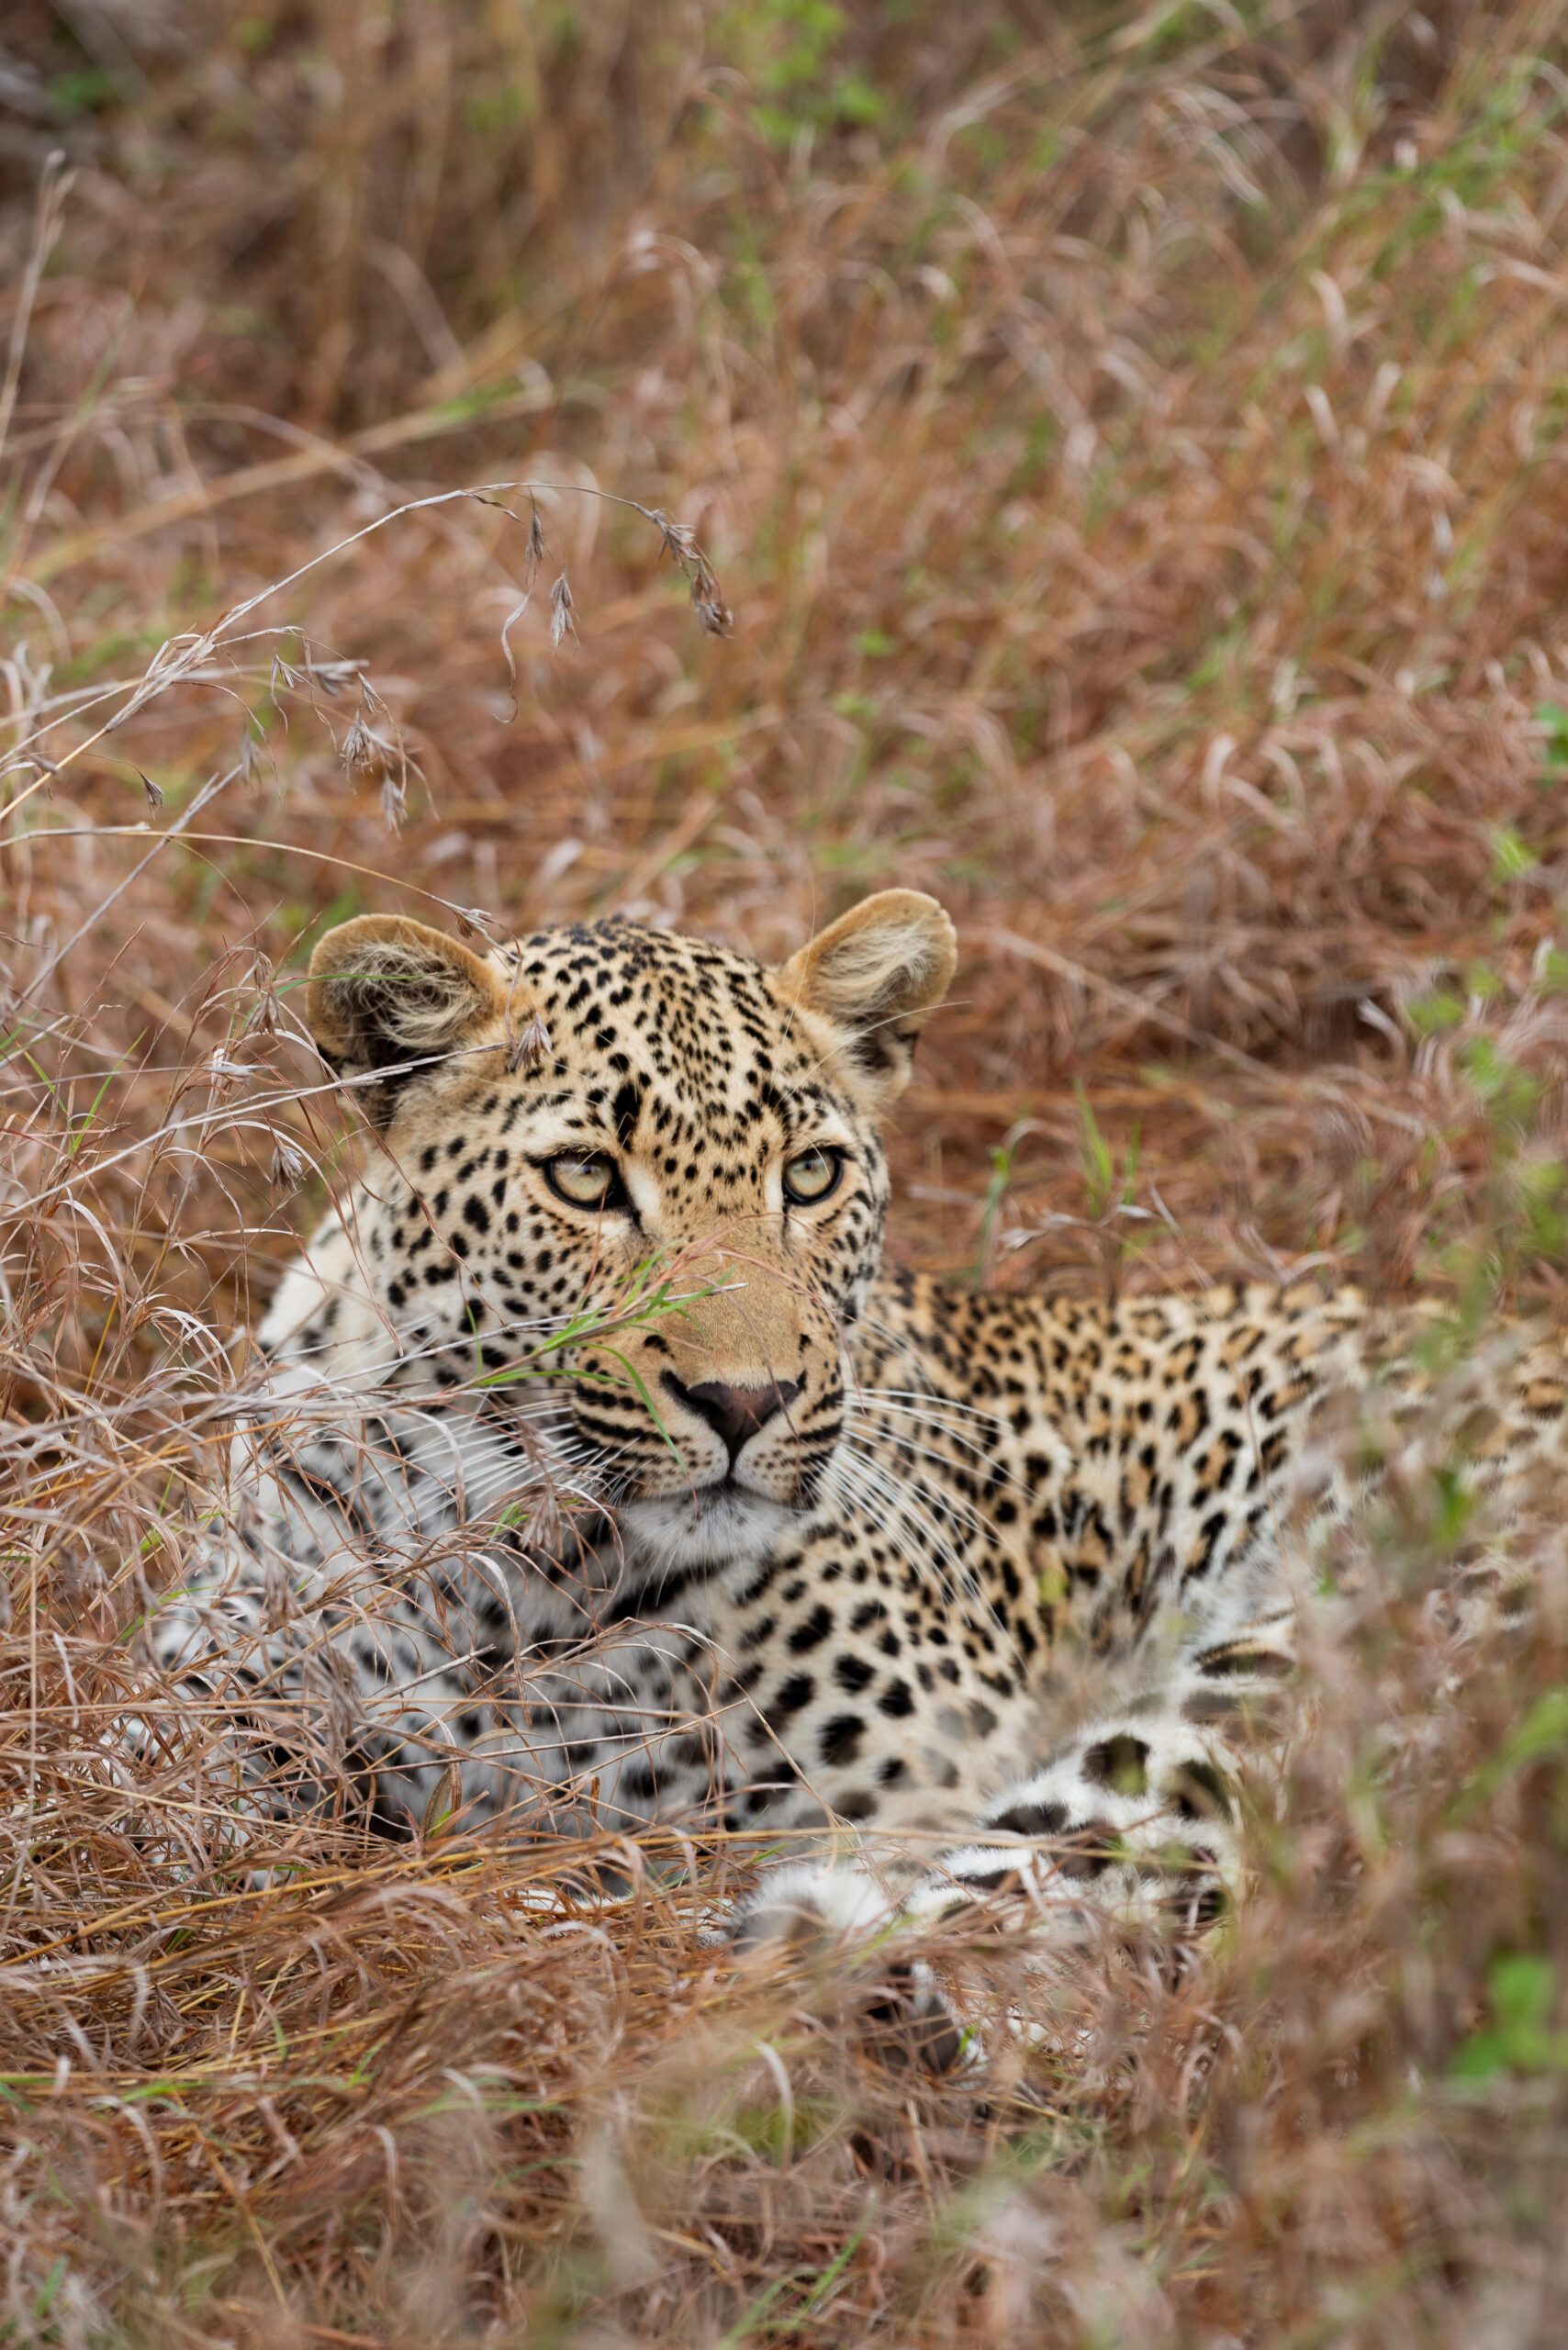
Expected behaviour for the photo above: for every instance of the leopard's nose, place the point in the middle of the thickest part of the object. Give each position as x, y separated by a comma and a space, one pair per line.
734, 1413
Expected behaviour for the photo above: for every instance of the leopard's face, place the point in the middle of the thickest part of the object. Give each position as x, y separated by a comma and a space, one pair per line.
636, 1192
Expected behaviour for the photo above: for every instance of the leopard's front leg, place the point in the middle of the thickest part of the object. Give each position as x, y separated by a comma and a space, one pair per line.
1131, 1824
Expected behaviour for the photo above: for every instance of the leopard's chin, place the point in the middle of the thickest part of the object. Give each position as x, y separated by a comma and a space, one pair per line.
683, 1537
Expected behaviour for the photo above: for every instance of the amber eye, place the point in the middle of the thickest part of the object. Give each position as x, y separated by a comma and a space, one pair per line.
584, 1180
812, 1176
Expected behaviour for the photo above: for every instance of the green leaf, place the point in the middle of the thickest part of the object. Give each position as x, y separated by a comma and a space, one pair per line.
1512, 858
1522, 1991
1543, 1731
1431, 1014
1553, 720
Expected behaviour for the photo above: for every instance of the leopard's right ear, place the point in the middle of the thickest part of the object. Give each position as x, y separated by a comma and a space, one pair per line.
386, 994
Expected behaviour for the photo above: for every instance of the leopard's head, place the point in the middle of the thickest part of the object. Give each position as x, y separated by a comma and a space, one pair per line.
635, 1188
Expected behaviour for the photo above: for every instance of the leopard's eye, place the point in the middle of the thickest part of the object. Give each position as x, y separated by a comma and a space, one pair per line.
583, 1179
812, 1176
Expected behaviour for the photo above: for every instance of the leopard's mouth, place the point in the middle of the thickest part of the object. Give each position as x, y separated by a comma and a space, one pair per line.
682, 1517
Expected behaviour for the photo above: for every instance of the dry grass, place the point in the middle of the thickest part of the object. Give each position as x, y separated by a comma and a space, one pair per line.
1134, 448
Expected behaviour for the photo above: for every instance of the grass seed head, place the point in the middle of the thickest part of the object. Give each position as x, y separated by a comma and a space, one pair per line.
563, 619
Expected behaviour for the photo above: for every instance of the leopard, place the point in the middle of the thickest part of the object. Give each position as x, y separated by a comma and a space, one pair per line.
603, 1474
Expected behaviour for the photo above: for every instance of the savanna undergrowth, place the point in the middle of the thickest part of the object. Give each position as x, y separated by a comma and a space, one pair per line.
1134, 449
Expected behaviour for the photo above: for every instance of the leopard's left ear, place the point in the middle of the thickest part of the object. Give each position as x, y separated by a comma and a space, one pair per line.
874, 976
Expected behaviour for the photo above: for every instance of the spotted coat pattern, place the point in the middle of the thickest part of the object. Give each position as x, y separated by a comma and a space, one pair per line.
673, 1503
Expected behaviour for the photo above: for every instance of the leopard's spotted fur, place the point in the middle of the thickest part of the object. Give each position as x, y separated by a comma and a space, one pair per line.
494, 1524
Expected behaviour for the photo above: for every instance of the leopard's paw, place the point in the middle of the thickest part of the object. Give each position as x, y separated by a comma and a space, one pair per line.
811, 1907
1133, 1822
840, 1924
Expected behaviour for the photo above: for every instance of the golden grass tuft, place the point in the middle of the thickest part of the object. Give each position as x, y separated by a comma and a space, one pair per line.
1132, 445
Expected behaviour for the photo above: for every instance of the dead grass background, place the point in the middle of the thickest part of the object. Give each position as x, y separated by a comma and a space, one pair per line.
1134, 447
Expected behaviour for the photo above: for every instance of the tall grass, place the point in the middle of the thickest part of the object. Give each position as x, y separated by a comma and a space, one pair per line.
1132, 445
